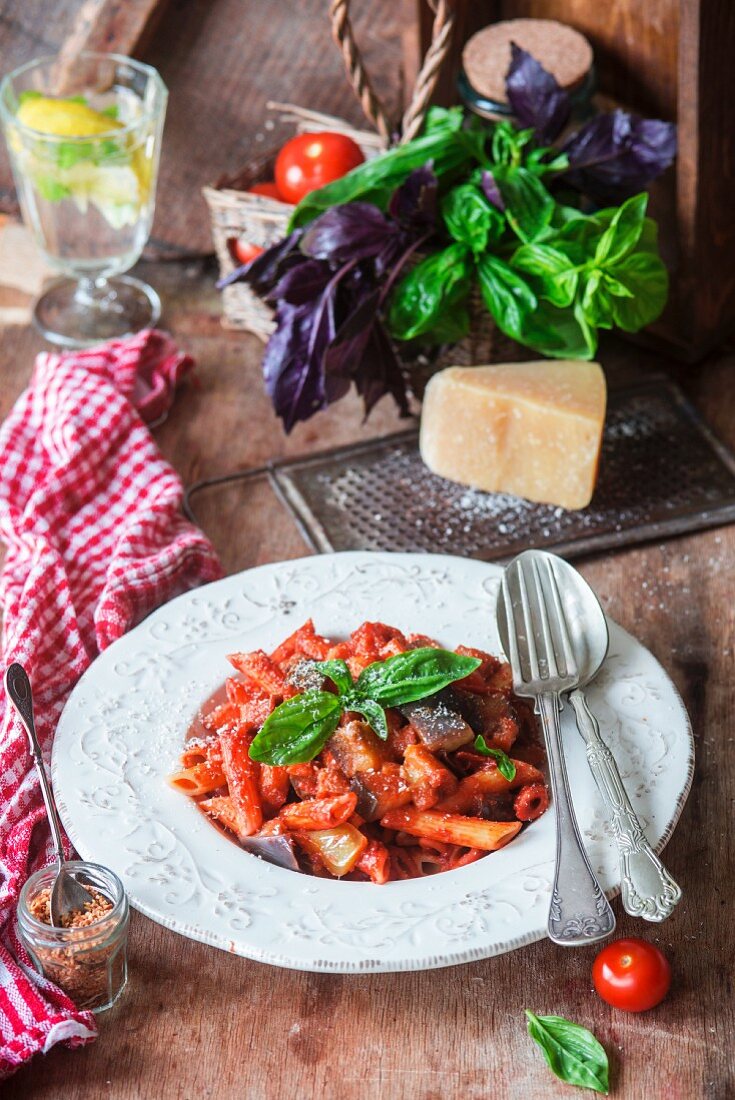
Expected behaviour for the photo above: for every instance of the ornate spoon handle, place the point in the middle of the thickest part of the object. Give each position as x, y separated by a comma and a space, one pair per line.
648, 890
579, 913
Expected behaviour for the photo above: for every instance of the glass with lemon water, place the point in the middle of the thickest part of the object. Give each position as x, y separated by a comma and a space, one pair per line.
85, 166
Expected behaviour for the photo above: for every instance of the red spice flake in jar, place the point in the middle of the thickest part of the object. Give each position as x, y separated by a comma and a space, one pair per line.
82, 970
95, 909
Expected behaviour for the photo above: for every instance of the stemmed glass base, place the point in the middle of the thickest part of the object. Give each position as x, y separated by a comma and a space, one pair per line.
79, 313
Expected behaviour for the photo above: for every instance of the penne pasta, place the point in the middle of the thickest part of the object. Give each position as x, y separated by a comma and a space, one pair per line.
471, 832
531, 802
319, 813
222, 809
262, 670
274, 786
428, 780
474, 790
375, 862
418, 803
242, 780
192, 756
198, 779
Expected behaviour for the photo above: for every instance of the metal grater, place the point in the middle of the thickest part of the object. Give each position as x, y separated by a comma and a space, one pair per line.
662, 473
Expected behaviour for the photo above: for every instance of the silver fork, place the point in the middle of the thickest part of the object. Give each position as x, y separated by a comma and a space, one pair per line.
543, 667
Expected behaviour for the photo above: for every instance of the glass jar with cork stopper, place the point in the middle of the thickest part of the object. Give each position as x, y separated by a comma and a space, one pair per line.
560, 49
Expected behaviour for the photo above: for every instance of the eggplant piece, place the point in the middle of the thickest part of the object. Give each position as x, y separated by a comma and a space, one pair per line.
367, 800
273, 849
356, 748
338, 849
438, 725
380, 791
492, 715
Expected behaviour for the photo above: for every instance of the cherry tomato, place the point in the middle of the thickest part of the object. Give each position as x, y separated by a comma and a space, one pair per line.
268, 188
309, 161
631, 974
245, 252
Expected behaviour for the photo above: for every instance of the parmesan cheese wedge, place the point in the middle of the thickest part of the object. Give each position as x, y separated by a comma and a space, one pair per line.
531, 429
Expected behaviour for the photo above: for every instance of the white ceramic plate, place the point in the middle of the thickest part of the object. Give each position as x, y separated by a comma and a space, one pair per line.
123, 728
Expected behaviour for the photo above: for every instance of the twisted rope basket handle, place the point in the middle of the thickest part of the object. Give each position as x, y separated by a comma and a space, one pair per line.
413, 119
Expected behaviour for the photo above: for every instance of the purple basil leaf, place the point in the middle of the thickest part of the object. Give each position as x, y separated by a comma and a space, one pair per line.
302, 283
265, 270
616, 155
348, 347
391, 252
491, 190
414, 203
293, 380
379, 372
362, 353
321, 337
294, 358
535, 97
355, 231
363, 311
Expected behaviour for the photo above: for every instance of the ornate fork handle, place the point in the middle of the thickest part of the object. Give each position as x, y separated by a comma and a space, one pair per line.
579, 913
648, 890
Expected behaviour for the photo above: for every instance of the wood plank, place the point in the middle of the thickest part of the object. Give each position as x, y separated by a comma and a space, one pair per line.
106, 26
197, 1022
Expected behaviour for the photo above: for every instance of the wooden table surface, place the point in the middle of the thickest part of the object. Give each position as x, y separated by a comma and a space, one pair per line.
198, 1022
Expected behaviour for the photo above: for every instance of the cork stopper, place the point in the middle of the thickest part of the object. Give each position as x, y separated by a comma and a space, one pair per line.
561, 50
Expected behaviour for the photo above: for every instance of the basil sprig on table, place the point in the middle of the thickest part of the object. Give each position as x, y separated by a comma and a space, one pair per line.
297, 730
571, 1051
506, 767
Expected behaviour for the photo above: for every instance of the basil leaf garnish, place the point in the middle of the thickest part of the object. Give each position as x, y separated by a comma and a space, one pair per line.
338, 672
571, 1051
297, 730
506, 767
371, 711
413, 675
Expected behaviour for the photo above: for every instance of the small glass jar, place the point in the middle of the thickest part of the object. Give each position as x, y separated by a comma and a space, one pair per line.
494, 110
89, 962
559, 48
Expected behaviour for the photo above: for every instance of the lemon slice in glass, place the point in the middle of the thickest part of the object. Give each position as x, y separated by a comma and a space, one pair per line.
63, 117
111, 173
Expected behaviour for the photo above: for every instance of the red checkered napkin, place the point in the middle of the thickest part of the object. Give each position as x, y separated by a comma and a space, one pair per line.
91, 517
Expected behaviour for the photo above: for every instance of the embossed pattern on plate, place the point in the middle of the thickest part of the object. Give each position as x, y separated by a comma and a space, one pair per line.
661, 473
124, 725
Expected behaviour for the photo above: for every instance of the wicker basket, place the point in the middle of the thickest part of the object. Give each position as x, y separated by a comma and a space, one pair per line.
260, 220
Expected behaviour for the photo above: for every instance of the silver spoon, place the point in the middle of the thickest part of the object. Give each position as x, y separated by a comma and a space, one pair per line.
539, 651
648, 890
67, 894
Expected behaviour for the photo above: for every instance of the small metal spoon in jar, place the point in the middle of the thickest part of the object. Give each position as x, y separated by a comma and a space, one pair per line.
67, 894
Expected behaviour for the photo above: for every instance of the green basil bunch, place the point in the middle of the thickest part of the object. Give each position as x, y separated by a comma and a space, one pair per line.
551, 275
297, 730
